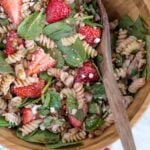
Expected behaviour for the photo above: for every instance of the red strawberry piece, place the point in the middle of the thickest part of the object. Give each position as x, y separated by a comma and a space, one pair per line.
87, 73
13, 9
92, 35
31, 91
74, 122
40, 61
27, 115
12, 41
57, 10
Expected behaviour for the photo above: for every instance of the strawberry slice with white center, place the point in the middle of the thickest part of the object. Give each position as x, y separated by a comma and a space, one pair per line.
13, 9
40, 62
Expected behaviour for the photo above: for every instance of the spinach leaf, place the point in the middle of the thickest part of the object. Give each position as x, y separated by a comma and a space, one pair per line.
32, 26
79, 115
61, 144
44, 111
91, 23
2, 46
71, 104
43, 137
58, 30
93, 122
45, 76
98, 91
28, 101
3, 122
4, 67
74, 55
57, 55
94, 108
4, 21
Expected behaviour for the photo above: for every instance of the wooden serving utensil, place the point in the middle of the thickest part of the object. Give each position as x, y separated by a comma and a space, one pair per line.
114, 95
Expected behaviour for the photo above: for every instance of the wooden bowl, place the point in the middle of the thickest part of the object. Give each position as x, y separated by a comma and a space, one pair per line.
115, 9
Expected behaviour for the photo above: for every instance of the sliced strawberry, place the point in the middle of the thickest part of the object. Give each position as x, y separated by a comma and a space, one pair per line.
13, 9
87, 73
27, 115
57, 10
12, 41
74, 122
92, 35
30, 91
40, 62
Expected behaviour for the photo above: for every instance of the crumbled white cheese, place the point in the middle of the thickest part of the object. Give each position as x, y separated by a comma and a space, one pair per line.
74, 111
52, 110
42, 127
97, 40
34, 108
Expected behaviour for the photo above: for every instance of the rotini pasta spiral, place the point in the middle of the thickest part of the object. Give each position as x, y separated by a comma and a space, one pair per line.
3, 105
69, 1
30, 44
26, 8
67, 41
135, 45
73, 136
124, 43
45, 41
122, 87
120, 73
122, 35
7, 80
11, 59
30, 127
26, 82
14, 104
20, 72
7, 28
65, 77
66, 92
136, 85
89, 50
80, 95
12, 118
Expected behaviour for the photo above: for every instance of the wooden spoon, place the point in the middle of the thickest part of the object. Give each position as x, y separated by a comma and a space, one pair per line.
114, 95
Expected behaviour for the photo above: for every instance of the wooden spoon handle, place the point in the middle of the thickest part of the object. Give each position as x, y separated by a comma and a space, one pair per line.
112, 90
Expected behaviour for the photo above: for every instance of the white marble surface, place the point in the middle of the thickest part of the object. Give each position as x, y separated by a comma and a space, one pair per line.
141, 132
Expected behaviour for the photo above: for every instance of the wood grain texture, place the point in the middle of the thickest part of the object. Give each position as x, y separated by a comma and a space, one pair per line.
115, 98
116, 9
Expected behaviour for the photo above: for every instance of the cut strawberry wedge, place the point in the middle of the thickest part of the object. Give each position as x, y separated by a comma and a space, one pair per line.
87, 73
31, 91
75, 122
13, 9
27, 115
40, 62
12, 41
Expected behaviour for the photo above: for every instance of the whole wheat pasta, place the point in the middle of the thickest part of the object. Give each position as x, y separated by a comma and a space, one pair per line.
7, 80
26, 82
7, 28
120, 73
3, 105
11, 59
67, 41
65, 77
136, 85
45, 41
122, 35
26, 8
66, 92
20, 72
12, 118
30, 127
135, 45
14, 103
124, 43
30, 44
73, 136
80, 95
89, 50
